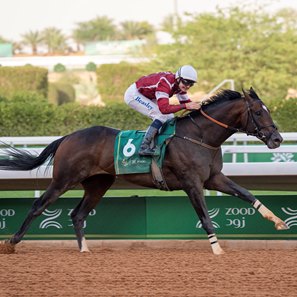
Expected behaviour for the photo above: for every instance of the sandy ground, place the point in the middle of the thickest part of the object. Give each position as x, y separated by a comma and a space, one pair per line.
142, 271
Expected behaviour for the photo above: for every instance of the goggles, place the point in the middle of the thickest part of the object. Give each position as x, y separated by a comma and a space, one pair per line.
187, 82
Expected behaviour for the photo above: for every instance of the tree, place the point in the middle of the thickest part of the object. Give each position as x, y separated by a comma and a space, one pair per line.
78, 37
252, 47
55, 40
32, 39
97, 29
135, 30
288, 18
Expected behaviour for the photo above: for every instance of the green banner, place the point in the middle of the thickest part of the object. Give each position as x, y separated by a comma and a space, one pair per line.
152, 218
261, 157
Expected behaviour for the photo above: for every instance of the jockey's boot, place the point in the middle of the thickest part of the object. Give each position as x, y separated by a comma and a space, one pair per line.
152, 131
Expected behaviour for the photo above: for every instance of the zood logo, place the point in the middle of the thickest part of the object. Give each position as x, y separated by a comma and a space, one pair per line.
212, 213
50, 221
4, 213
291, 221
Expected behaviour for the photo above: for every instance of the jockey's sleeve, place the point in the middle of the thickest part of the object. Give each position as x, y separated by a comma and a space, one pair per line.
165, 107
183, 97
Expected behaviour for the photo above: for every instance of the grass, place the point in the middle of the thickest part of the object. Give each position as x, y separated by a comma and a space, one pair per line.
129, 193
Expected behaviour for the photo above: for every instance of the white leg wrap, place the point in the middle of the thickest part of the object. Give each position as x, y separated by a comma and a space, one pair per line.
264, 211
84, 247
216, 248
257, 204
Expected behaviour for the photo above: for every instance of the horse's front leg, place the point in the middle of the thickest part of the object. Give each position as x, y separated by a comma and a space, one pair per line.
223, 184
195, 193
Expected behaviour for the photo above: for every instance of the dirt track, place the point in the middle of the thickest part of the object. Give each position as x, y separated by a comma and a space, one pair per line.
142, 271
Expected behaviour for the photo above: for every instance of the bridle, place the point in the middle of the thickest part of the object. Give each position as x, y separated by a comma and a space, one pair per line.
257, 128
250, 118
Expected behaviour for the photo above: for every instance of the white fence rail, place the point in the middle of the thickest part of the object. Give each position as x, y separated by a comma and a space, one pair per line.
252, 175
71, 62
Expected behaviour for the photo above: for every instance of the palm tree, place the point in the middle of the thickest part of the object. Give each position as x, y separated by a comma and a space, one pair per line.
54, 39
33, 39
78, 37
97, 29
136, 30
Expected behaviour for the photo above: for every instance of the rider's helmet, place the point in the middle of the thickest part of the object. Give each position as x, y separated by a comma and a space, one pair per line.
187, 72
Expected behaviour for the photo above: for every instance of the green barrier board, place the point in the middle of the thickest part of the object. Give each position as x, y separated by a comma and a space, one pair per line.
261, 157
152, 218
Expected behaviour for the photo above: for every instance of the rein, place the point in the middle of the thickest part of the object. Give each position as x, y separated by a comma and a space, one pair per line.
219, 123
257, 131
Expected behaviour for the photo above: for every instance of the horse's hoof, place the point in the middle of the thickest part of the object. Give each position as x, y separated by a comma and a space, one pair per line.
221, 252
281, 226
85, 251
217, 250
6, 247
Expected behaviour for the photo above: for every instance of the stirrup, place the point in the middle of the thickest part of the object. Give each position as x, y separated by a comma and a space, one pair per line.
149, 151
146, 152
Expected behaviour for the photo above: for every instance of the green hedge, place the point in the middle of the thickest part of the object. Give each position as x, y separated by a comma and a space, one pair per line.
25, 78
27, 114
114, 79
30, 114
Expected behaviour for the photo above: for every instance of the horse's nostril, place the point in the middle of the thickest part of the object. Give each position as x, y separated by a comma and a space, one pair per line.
278, 140
276, 137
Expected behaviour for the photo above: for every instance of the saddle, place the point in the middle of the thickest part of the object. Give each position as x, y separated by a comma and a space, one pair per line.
127, 160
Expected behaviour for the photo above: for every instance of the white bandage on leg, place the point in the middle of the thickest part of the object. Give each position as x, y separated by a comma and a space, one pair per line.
216, 248
84, 247
257, 204
264, 211
212, 238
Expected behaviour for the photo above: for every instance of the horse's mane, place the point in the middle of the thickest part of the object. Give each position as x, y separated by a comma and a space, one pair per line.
218, 98
222, 96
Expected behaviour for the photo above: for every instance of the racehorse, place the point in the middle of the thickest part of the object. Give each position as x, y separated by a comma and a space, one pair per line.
193, 161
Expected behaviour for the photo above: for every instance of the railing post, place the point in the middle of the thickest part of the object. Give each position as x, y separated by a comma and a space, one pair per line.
225, 81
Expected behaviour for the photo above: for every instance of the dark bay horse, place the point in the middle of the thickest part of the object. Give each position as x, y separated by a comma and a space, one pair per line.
193, 161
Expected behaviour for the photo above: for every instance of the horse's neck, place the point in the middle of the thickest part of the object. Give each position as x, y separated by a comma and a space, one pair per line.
210, 132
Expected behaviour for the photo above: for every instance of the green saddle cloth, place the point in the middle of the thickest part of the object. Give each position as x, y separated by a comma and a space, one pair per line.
126, 147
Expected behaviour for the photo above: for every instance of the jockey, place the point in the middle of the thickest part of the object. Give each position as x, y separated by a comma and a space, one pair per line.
150, 95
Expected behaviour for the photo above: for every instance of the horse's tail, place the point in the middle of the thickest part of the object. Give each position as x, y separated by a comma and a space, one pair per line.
24, 160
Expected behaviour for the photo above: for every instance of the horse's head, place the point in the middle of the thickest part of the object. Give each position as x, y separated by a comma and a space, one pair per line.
259, 121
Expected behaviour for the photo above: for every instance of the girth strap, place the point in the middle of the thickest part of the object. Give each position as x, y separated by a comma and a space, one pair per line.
199, 142
158, 177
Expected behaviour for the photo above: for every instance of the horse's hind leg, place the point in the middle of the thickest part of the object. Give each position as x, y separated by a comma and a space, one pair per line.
39, 205
95, 187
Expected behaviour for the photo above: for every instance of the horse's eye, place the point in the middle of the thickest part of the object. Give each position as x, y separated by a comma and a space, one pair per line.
258, 113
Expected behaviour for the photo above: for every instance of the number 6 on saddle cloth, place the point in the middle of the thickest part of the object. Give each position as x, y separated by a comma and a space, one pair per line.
127, 143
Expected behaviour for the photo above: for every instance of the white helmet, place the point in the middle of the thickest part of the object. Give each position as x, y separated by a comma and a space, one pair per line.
187, 72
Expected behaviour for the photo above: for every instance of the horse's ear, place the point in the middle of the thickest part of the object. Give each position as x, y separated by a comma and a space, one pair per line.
253, 93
